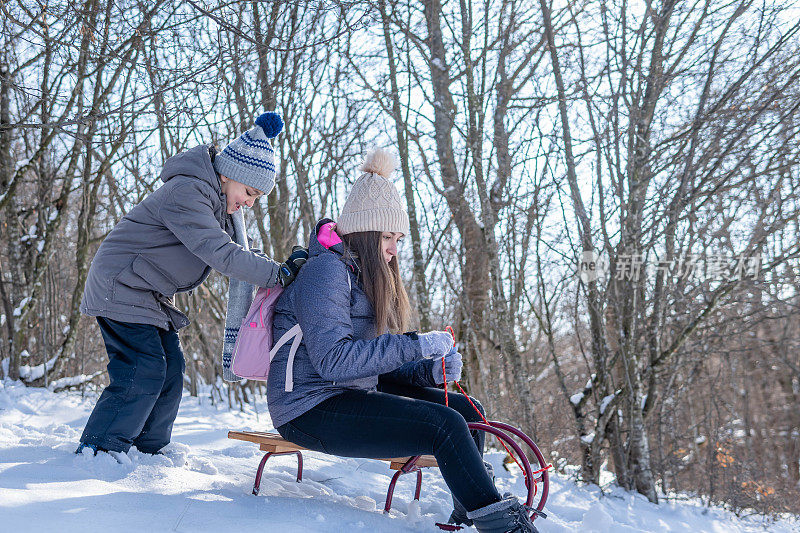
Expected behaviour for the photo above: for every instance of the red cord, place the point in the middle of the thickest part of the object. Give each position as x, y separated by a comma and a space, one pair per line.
446, 402
444, 373
488, 424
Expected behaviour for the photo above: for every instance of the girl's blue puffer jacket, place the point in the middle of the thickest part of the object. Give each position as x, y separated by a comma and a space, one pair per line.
340, 349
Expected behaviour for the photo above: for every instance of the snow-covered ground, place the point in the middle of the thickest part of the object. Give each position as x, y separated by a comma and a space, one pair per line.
203, 483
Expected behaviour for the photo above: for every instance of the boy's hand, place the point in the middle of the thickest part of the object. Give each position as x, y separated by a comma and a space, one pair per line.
289, 268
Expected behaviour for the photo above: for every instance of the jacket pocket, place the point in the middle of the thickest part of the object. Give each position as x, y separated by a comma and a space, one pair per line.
136, 283
129, 289
158, 280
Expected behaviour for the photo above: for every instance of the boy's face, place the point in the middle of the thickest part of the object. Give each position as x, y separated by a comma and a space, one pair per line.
238, 194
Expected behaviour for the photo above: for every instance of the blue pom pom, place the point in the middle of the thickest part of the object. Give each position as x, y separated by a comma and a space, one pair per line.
271, 123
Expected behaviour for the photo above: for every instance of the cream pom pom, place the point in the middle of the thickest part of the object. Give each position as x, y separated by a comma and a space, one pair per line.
380, 162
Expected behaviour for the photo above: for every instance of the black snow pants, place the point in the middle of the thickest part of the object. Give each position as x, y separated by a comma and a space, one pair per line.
399, 421
139, 406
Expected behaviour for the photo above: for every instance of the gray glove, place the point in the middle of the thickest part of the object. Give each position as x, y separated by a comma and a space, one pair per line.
452, 367
435, 343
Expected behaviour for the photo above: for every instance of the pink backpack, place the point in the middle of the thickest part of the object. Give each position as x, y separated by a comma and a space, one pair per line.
254, 350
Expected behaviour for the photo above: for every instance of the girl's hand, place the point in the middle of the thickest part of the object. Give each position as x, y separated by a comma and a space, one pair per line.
435, 344
452, 367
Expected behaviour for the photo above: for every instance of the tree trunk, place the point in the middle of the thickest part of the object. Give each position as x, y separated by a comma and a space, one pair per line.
593, 301
420, 280
6, 175
476, 284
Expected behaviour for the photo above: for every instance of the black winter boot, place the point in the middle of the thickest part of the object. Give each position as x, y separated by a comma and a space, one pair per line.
94, 447
505, 516
459, 515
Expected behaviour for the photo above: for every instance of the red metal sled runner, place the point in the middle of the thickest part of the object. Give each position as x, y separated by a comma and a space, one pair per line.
273, 444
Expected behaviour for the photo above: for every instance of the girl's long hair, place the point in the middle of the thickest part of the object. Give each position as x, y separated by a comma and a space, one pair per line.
381, 280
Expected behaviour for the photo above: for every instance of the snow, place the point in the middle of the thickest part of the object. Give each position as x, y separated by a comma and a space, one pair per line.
203, 483
30, 235
438, 64
72, 381
576, 398
605, 401
32, 373
21, 306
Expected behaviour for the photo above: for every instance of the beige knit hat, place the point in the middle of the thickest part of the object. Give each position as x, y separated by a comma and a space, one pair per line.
374, 203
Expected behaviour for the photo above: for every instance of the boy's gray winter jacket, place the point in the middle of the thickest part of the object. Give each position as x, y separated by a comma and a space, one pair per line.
340, 349
169, 243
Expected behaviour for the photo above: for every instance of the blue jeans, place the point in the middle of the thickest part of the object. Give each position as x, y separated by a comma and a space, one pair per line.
399, 421
141, 402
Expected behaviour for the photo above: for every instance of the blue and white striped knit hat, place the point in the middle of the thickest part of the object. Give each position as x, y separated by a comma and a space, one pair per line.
250, 159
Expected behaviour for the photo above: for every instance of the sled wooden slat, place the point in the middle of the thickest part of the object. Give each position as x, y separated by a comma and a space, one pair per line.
273, 444
260, 437
424, 461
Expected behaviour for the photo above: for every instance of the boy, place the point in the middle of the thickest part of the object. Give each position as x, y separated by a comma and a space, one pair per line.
166, 244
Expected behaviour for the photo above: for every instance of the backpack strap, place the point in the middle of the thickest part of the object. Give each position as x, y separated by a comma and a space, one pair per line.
296, 333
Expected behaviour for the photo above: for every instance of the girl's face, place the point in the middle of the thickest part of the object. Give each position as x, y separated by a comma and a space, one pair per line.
389, 242
238, 194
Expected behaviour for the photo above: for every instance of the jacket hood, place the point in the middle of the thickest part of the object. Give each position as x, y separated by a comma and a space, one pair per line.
196, 163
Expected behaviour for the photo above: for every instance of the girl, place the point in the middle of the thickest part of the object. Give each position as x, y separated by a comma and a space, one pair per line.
166, 244
351, 388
